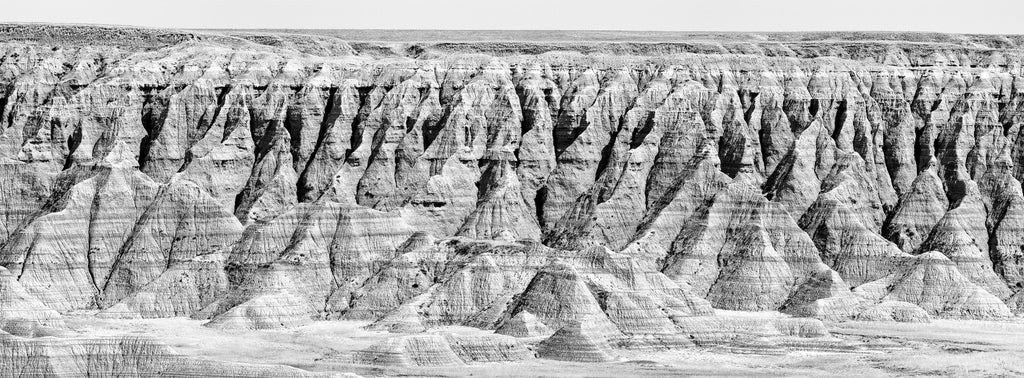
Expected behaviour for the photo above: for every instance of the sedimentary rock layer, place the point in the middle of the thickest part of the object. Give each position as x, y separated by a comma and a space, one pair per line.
595, 194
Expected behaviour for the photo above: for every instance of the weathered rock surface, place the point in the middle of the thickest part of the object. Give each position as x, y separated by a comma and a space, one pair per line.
117, 357
759, 331
443, 350
595, 201
894, 311
576, 342
16, 304
932, 282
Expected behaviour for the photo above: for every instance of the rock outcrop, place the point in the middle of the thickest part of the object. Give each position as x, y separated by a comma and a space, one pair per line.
590, 197
894, 311
932, 282
442, 350
16, 304
576, 342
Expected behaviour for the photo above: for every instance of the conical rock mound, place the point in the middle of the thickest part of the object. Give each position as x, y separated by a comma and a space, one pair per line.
578, 343
524, 324
932, 281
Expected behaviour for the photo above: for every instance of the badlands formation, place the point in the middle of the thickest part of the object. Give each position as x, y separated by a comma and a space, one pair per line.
287, 203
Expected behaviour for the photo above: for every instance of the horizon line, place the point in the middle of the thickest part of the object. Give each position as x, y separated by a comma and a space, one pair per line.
503, 30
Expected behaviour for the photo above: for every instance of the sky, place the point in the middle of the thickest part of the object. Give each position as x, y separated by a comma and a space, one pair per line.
954, 16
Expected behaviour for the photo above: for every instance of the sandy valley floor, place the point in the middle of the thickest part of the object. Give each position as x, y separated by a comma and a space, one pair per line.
940, 348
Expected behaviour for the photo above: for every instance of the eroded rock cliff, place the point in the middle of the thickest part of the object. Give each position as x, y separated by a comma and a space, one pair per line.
604, 195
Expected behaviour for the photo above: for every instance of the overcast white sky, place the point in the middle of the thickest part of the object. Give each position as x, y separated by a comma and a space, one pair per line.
963, 16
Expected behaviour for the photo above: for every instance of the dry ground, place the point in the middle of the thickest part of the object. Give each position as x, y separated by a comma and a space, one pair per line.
941, 348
